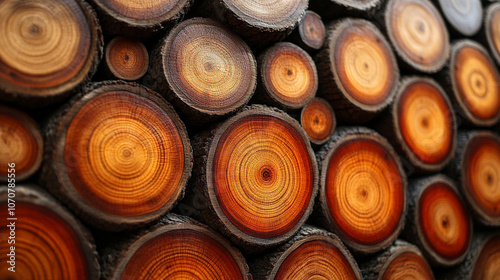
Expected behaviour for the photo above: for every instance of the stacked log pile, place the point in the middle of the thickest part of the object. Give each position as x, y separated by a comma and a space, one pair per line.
245, 139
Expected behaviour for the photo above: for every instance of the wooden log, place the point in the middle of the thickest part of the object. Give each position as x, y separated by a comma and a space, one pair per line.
464, 17
492, 29
421, 125
476, 166
126, 59
471, 79
42, 240
318, 120
206, 71
140, 20
362, 196
482, 261
254, 178
177, 247
401, 260
259, 22
287, 77
48, 51
118, 155
311, 253
357, 70
21, 143
331, 9
417, 33
310, 33
438, 221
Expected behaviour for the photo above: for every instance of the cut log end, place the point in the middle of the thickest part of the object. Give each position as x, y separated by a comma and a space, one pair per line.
137, 11
312, 30
475, 82
289, 75
444, 223
118, 137
481, 175
181, 251
418, 34
126, 59
318, 120
49, 242
363, 188
209, 68
50, 48
424, 123
492, 29
21, 143
405, 261
465, 17
248, 160
487, 265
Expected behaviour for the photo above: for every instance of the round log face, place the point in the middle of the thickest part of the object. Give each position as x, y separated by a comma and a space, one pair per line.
208, 67
443, 222
364, 189
464, 15
180, 252
318, 258
365, 66
47, 46
475, 80
408, 265
261, 175
481, 175
289, 75
418, 33
318, 120
492, 29
487, 265
425, 123
312, 30
142, 10
21, 143
126, 59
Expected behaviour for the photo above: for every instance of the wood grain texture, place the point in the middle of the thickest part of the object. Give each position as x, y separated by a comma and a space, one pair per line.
310, 34
362, 194
357, 70
176, 247
438, 220
312, 253
21, 143
122, 156
318, 120
417, 33
255, 178
331, 9
48, 50
126, 59
49, 242
492, 29
205, 70
464, 16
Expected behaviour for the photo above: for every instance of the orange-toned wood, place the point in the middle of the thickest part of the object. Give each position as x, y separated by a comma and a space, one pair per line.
492, 29
175, 248
257, 177
49, 242
318, 120
311, 253
259, 22
140, 19
21, 143
119, 156
417, 33
48, 49
401, 260
332, 9
472, 79
438, 220
311, 32
126, 59
362, 189
287, 77
423, 124
464, 18
477, 165
205, 70
357, 70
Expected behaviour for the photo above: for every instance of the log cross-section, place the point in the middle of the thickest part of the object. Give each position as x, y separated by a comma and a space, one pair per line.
126, 59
